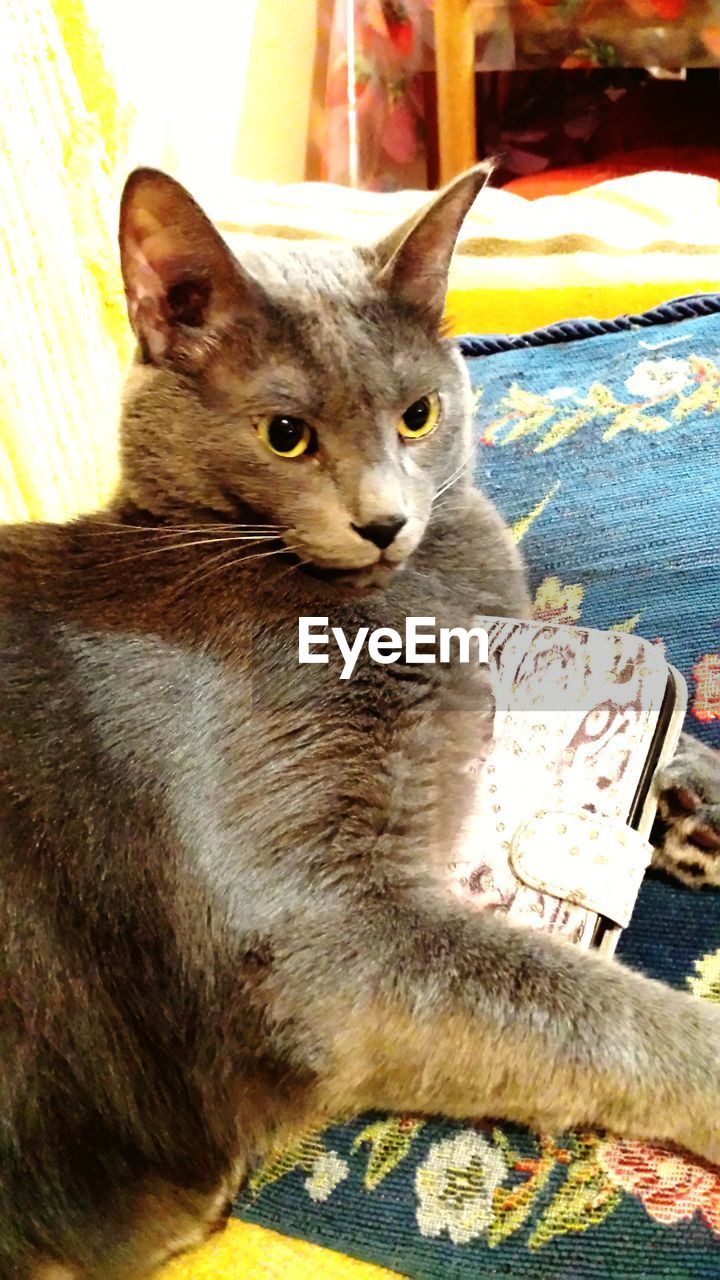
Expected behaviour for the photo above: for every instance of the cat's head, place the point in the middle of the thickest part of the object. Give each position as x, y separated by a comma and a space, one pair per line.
305, 386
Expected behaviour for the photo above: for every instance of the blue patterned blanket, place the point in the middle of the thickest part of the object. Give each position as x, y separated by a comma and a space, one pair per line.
603, 453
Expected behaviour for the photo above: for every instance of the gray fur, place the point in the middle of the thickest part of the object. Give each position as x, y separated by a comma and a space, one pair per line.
222, 891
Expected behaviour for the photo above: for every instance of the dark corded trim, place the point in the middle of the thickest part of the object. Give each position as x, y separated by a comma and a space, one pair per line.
701, 304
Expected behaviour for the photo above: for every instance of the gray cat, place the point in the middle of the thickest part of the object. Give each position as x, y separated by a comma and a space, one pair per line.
222, 905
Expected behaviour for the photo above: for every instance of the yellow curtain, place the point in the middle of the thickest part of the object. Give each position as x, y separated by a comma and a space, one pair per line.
63, 335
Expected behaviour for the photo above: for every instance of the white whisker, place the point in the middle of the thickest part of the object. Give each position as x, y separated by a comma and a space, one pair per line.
299, 564
445, 504
229, 565
168, 531
197, 573
456, 475
233, 538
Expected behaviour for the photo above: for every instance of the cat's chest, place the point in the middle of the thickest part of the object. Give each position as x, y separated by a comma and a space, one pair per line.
250, 756
349, 716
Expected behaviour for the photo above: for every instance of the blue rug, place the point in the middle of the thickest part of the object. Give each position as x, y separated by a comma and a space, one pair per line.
600, 444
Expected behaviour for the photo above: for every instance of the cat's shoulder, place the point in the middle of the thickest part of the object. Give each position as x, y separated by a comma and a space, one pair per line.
32, 556
470, 547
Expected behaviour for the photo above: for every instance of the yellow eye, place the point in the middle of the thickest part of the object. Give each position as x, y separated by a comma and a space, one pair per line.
287, 437
420, 418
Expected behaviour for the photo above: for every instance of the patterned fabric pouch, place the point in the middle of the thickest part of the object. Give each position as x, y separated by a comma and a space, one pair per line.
558, 836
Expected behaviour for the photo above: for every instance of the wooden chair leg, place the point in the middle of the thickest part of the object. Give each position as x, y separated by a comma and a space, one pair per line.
455, 69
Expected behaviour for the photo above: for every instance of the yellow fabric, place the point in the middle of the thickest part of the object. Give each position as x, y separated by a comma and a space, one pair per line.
247, 1252
63, 336
624, 245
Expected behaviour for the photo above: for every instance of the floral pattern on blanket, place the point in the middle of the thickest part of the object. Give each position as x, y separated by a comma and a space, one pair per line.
491, 1183
663, 391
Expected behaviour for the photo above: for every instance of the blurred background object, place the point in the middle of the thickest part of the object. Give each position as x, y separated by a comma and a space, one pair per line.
241, 99
421, 87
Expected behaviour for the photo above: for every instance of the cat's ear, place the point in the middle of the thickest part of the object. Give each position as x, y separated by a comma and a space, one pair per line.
414, 260
182, 283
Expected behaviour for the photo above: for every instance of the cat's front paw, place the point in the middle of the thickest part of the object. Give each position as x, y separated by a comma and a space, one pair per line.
686, 833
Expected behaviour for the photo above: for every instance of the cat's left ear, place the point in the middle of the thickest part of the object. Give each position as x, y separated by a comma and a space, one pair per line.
414, 260
183, 285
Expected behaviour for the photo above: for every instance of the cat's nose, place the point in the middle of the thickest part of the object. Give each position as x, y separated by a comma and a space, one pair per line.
381, 532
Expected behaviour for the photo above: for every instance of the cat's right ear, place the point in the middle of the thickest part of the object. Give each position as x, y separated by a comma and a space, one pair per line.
183, 285
414, 260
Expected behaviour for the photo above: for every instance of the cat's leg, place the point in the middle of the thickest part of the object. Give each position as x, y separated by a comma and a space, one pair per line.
686, 834
441, 1010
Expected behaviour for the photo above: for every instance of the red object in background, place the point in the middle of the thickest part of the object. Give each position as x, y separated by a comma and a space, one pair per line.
670, 10
402, 36
399, 135
554, 182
